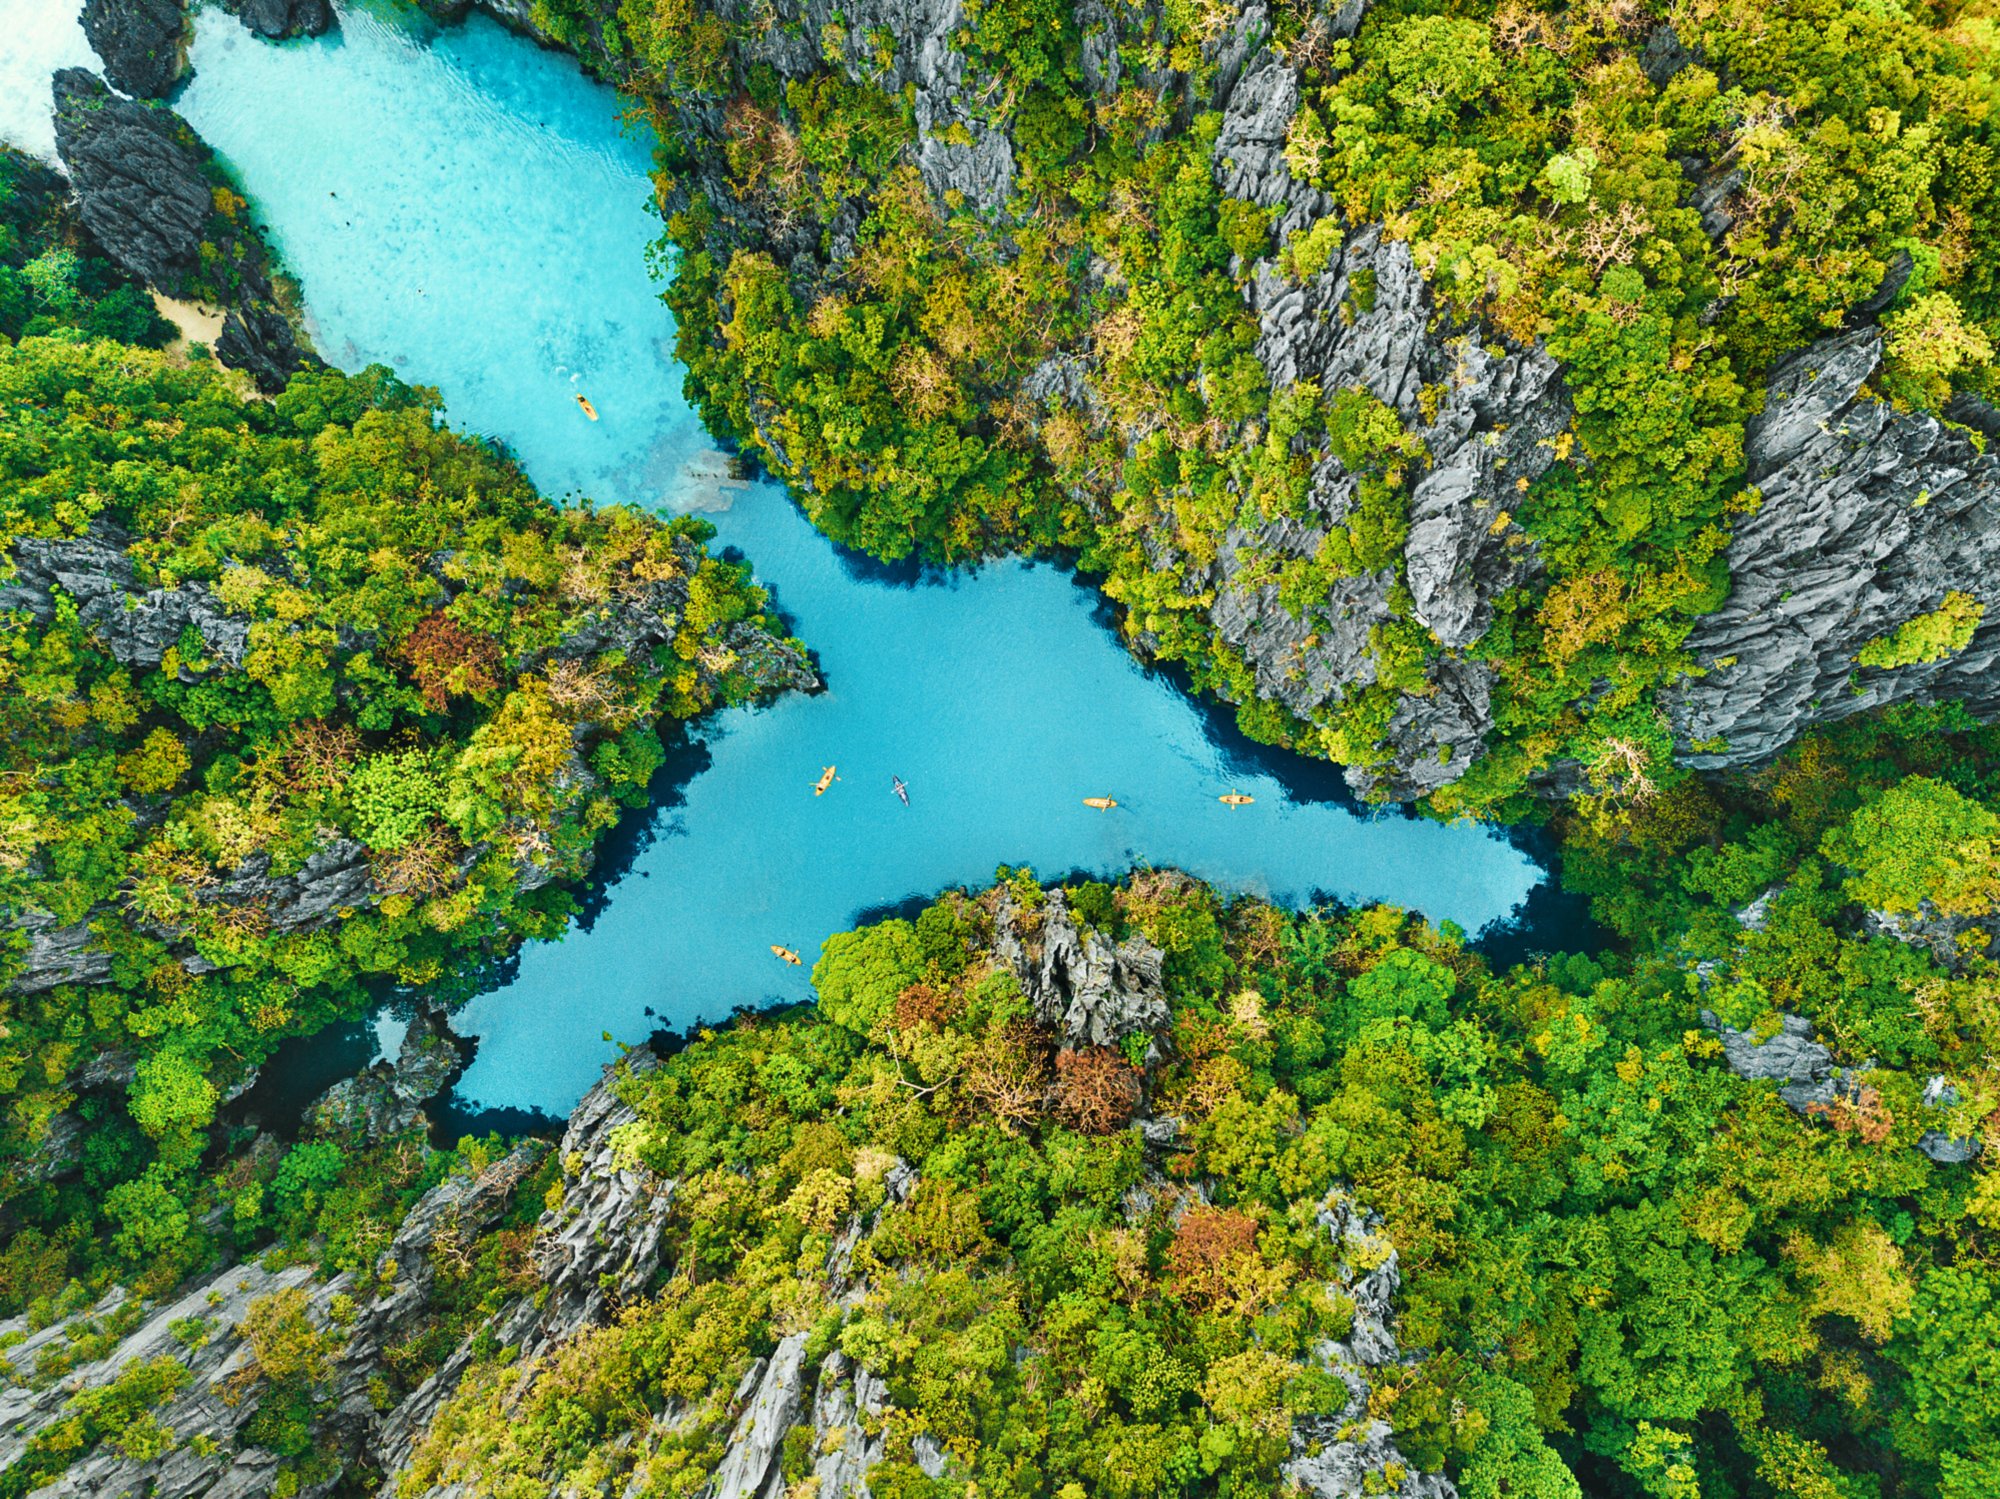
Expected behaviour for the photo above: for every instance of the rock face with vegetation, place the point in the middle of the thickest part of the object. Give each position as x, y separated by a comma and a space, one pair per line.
1347, 1213
1431, 385
1394, 369
149, 193
256, 768
138, 178
1864, 575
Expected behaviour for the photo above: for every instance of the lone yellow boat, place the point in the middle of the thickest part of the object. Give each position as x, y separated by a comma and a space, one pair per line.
1236, 799
825, 780
1102, 803
788, 955
588, 409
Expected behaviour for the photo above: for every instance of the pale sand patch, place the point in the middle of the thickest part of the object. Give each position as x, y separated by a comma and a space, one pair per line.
196, 324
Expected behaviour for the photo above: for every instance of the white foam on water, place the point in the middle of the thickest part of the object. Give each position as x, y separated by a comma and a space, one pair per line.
36, 38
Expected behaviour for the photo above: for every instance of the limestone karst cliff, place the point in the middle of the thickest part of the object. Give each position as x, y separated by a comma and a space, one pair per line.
1870, 514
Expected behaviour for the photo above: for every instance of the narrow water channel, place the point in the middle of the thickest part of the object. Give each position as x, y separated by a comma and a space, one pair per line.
468, 209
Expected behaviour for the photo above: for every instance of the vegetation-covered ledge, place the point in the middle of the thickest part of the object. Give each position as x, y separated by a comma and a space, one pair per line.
303, 697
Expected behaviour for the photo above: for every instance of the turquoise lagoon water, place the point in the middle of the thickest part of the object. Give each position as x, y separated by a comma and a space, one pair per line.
467, 209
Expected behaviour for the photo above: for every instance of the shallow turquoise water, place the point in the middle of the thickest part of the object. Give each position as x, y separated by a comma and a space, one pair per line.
465, 208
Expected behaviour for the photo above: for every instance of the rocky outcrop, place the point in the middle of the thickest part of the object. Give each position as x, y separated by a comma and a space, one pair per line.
1812, 1084
205, 1331
142, 43
1094, 991
598, 1249
278, 19
772, 1396
259, 340
1869, 516
58, 954
1949, 940
589, 1272
143, 190
135, 626
1353, 1453
646, 616
1365, 320
848, 1403
335, 878
387, 1098
139, 179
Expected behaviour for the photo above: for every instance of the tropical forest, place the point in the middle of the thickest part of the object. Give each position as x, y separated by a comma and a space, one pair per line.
999, 749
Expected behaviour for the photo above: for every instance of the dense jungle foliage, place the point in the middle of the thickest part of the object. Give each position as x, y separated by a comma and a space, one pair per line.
393, 709
1547, 185
1625, 1269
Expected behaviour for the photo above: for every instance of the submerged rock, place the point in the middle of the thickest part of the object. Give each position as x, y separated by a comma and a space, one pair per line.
142, 43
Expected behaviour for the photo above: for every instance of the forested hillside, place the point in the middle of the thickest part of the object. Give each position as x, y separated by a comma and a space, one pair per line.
1576, 414
1131, 1190
1418, 375
303, 698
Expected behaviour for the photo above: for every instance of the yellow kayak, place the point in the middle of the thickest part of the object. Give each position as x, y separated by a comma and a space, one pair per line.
788, 955
825, 780
1236, 799
588, 409
1101, 803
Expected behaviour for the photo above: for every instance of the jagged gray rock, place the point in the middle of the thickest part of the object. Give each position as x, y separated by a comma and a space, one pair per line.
58, 954
140, 185
1810, 1081
1803, 1068
1869, 517
136, 627
588, 1271
1663, 56
336, 877
644, 616
774, 1401
847, 1399
278, 19
1094, 991
1352, 1453
212, 1457
260, 341
142, 43
1946, 1149
388, 1097
1950, 940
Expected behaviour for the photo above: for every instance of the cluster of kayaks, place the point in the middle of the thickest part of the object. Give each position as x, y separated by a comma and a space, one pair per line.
896, 784
1228, 799
1101, 803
